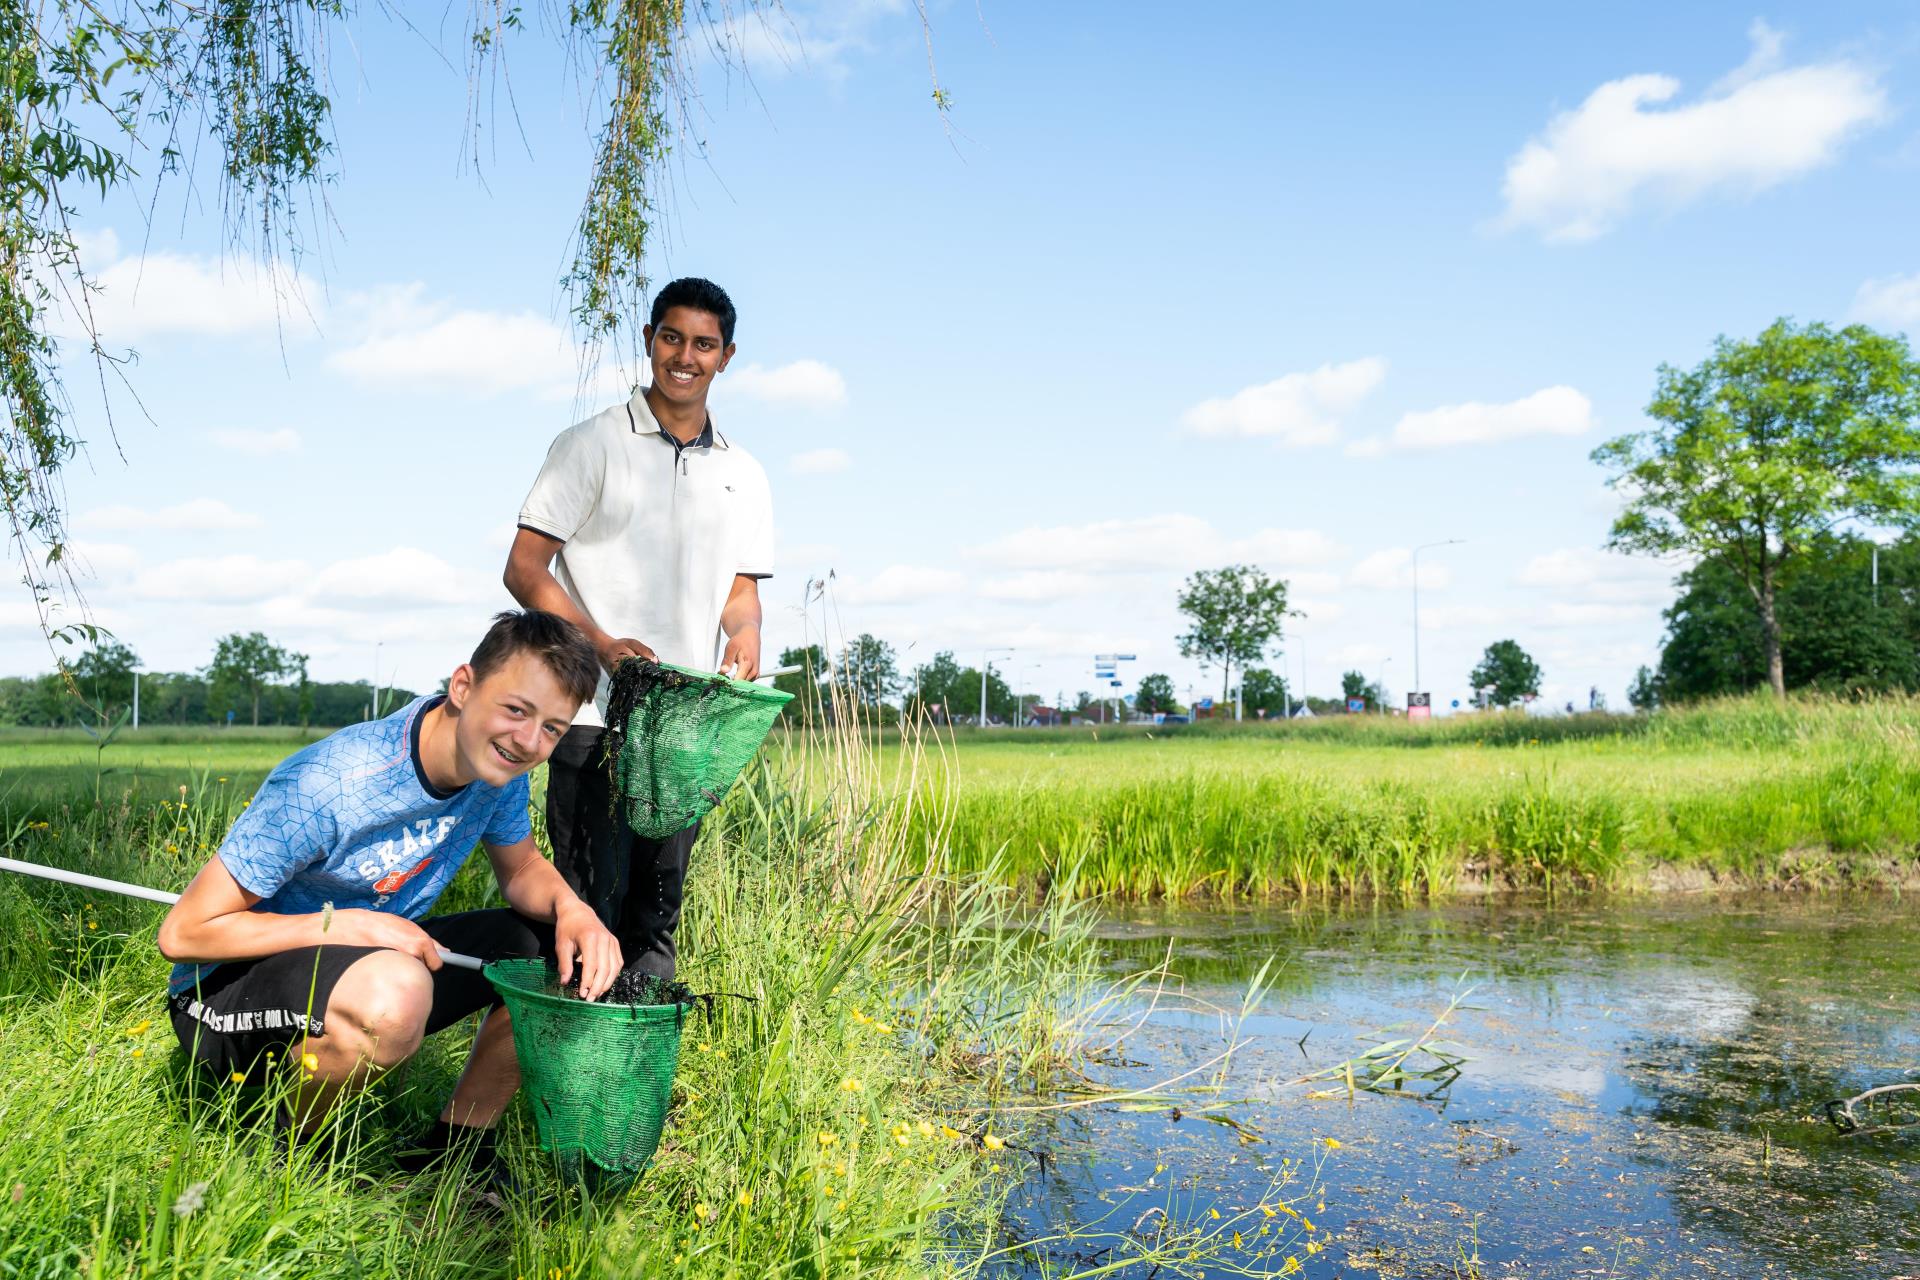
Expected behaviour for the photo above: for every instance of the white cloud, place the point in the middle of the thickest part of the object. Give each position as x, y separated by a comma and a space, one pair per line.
1457, 617
172, 293
1557, 411
404, 576
1039, 584
479, 352
1755, 129
219, 579
1602, 575
1597, 614
1146, 543
806, 384
1392, 569
103, 561
1297, 409
257, 444
1367, 447
821, 462
1892, 303
901, 584
198, 515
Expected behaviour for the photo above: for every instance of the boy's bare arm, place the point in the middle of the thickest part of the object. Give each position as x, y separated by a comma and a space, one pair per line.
533, 887
214, 921
529, 579
740, 621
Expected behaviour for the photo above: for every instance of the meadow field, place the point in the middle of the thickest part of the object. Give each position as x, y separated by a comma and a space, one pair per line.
1744, 791
843, 1118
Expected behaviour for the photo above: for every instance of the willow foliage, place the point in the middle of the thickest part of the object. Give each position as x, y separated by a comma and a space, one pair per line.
95, 94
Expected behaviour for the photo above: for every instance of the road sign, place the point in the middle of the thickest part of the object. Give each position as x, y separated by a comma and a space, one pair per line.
1419, 706
1116, 684
1113, 657
1356, 706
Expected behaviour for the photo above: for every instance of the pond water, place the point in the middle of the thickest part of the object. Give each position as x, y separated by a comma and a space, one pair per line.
1642, 1094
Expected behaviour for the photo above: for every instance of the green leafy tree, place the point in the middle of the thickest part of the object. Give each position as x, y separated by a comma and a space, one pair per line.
965, 695
1155, 695
104, 675
89, 90
1507, 673
804, 684
869, 670
1264, 691
1643, 694
243, 666
1766, 445
935, 688
1354, 684
1837, 633
1235, 615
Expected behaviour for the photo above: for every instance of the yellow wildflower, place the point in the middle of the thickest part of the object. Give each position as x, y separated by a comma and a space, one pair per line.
744, 1199
991, 1142
1291, 1265
948, 1131
141, 1027
137, 1052
92, 925
827, 1190
839, 1168
926, 1128
850, 1084
239, 1077
310, 1062
1237, 1242
1313, 1247
1333, 1144
828, 1139
1214, 1214
701, 1212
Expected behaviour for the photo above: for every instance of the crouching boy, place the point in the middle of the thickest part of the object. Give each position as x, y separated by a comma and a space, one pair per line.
303, 937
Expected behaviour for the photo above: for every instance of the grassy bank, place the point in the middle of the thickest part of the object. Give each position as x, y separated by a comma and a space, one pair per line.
1811, 792
840, 1121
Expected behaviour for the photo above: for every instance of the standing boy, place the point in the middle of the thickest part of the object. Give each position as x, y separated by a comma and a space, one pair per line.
304, 934
650, 530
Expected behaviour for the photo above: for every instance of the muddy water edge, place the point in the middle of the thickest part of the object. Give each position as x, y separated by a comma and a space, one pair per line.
1643, 1093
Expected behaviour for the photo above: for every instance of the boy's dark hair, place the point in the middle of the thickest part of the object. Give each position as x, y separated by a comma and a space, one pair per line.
561, 645
701, 295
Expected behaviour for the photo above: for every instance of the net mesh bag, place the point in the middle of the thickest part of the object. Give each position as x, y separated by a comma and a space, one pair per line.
597, 1076
677, 739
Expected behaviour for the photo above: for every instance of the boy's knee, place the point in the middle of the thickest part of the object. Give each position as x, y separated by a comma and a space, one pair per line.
382, 1002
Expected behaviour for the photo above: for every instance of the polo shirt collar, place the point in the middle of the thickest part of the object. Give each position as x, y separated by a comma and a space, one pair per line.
640, 417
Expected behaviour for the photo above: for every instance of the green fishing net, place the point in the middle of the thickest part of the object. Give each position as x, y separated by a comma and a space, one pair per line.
677, 739
597, 1076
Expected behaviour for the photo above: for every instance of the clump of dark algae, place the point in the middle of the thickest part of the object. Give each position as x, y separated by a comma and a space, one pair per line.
636, 987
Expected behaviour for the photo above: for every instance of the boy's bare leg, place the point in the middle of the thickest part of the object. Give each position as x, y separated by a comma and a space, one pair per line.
491, 1077
375, 1019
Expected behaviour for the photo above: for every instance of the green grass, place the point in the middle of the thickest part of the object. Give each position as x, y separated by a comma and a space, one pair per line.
834, 1124
1746, 789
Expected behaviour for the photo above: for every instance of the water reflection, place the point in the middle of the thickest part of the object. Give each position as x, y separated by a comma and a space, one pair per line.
1643, 1098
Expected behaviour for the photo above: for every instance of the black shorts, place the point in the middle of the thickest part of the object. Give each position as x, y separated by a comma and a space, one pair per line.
246, 1009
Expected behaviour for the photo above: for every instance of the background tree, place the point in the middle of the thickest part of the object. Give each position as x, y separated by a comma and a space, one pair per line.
804, 684
935, 688
1766, 445
1155, 695
104, 675
1354, 684
1236, 613
1836, 633
869, 671
1643, 694
242, 667
965, 695
1263, 692
1508, 672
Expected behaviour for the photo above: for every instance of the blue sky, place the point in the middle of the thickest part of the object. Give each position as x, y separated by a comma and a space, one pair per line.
1279, 285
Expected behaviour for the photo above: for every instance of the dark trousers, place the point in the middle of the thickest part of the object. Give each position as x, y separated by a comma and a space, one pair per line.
632, 884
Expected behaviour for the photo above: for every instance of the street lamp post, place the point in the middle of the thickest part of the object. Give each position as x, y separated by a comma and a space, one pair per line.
1416, 603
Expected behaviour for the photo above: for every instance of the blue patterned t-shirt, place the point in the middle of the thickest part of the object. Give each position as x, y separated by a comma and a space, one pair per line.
351, 820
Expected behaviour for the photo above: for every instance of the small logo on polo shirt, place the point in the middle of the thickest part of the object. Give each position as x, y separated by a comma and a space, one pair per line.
729, 488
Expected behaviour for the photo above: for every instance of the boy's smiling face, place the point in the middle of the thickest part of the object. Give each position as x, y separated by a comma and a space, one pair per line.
510, 720
686, 350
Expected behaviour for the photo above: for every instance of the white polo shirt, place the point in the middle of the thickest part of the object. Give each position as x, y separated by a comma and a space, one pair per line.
654, 532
